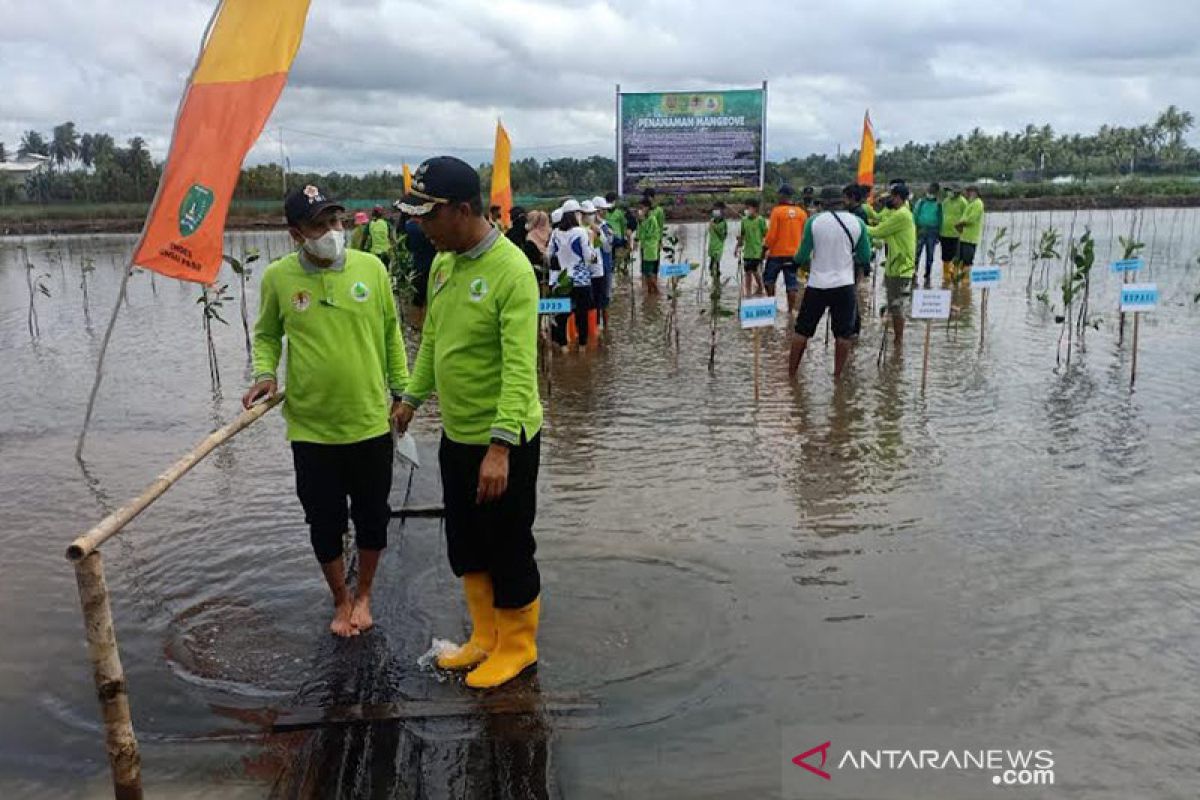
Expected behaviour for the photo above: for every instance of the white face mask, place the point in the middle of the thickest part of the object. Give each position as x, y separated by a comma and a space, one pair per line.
328, 247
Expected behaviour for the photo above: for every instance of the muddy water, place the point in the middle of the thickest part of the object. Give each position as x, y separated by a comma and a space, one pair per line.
1009, 557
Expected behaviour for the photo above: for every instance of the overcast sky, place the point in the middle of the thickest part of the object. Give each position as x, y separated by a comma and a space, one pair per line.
380, 82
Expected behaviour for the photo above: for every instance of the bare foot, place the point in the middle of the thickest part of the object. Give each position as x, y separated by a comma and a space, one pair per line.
342, 624
360, 615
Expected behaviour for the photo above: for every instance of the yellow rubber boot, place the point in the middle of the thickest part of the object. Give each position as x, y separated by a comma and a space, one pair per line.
477, 586
515, 650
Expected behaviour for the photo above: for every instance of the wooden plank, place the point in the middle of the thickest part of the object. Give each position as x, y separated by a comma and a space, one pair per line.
298, 719
419, 512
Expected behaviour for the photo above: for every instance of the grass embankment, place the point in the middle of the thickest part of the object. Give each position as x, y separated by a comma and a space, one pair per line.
1123, 192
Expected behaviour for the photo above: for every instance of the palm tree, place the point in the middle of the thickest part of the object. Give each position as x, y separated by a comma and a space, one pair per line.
87, 150
64, 144
33, 143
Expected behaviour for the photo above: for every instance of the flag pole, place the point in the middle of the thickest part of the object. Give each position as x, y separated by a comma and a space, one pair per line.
112, 320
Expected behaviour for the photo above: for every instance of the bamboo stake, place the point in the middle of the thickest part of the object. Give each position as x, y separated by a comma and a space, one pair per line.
1133, 370
925, 357
755, 332
123, 757
983, 303
116, 521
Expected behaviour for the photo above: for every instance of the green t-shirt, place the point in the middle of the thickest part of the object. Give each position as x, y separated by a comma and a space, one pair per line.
345, 352
718, 229
952, 211
972, 219
381, 236
479, 344
896, 230
754, 230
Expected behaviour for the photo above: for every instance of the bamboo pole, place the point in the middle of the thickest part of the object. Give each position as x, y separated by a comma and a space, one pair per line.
123, 757
925, 357
983, 303
116, 521
756, 365
1133, 370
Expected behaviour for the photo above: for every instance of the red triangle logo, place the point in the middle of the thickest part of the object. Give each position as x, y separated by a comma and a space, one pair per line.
823, 749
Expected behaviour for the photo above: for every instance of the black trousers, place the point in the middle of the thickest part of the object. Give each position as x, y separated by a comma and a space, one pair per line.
328, 474
495, 537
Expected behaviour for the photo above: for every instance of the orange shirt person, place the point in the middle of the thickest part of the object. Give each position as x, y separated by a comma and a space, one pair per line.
785, 229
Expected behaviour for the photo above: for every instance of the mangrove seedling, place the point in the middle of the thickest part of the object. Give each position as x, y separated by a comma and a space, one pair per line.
37, 284
86, 267
1074, 284
241, 268
1129, 249
1044, 251
212, 300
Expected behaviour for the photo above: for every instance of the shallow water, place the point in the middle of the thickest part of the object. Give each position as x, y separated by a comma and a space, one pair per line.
1010, 555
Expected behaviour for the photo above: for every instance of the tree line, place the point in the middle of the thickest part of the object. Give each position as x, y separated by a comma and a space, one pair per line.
92, 167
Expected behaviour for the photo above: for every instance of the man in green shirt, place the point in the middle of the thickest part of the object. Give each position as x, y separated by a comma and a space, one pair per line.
896, 230
620, 228
970, 231
927, 215
718, 229
649, 236
479, 354
953, 204
380, 235
750, 246
345, 356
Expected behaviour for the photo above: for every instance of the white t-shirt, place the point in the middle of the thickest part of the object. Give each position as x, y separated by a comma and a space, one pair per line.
833, 251
575, 254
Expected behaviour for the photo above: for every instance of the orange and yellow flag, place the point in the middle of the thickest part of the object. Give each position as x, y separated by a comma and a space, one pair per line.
501, 174
866, 154
407, 178
243, 65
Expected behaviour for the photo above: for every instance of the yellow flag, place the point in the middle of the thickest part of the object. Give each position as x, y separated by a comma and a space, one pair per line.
407, 179
501, 174
866, 154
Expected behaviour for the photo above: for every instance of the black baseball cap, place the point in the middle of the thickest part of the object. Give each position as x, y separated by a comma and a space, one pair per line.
304, 204
440, 180
830, 193
786, 191
900, 190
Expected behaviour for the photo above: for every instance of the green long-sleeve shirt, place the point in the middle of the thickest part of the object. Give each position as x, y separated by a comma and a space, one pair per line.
649, 234
718, 229
897, 231
345, 352
952, 211
616, 220
479, 344
972, 220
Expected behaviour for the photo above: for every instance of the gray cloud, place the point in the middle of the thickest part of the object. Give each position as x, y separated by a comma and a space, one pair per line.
380, 82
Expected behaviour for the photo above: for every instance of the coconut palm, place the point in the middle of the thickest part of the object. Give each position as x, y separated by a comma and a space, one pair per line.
32, 143
64, 144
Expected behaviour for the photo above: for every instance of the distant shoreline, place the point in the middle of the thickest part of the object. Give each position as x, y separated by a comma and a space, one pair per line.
131, 222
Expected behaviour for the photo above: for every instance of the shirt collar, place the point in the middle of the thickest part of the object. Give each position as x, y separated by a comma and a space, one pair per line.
484, 245
310, 267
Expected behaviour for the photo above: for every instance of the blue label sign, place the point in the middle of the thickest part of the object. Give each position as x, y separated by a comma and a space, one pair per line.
1127, 265
1139, 297
554, 305
674, 270
757, 313
985, 277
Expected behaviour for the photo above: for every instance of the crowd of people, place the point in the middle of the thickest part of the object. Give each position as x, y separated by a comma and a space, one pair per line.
329, 306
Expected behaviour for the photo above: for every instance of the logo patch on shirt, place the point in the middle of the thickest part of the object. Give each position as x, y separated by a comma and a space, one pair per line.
439, 281
301, 300
360, 292
477, 290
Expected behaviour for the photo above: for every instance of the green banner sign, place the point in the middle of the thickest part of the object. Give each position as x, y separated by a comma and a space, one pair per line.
691, 141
